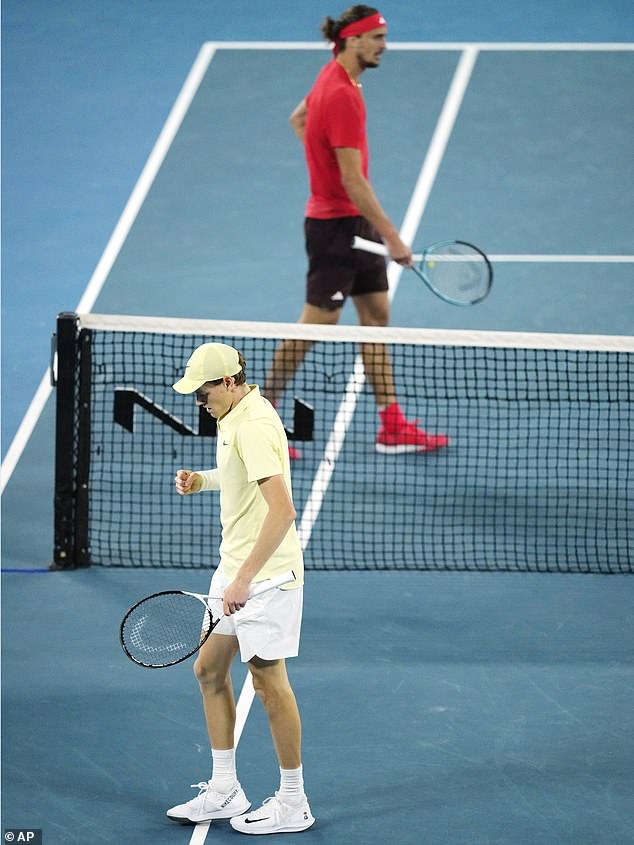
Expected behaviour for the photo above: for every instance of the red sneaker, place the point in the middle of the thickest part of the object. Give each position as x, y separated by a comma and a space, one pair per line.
398, 435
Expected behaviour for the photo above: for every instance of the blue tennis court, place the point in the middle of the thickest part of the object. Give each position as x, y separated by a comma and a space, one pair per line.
439, 707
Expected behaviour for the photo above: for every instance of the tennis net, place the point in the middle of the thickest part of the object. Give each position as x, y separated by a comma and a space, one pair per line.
537, 477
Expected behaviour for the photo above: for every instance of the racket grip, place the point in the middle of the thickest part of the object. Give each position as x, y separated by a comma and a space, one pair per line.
369, 246
378, 248
271, 583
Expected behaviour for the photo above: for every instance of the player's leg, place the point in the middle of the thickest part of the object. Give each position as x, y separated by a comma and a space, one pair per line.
328, 281
290, 353
222, 796
288, 810
270, 682
373, 310
212, 670
396, 433
269, 634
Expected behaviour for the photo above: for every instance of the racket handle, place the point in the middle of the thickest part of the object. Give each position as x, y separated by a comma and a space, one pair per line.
369, 246
271, 583
377, 248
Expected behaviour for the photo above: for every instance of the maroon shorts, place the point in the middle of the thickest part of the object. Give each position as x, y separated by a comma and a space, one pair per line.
335, 270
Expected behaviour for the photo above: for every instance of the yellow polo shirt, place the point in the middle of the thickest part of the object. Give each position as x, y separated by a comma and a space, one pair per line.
251, 445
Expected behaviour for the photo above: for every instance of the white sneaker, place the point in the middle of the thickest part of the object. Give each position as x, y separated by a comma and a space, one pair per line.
209, 805
274, 816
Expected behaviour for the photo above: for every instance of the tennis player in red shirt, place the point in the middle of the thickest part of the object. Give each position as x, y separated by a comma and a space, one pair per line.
331, 124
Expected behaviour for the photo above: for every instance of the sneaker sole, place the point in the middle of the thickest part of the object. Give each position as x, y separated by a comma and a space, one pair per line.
402, 450
259, 832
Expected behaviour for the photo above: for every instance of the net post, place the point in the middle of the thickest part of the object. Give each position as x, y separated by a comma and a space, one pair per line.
67, 381
82, 554
64, 381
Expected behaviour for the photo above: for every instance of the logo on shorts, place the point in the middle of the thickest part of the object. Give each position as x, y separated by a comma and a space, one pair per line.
337, 297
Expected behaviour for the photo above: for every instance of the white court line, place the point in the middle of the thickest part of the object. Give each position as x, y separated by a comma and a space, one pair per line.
415, 210
113, 248
460, 46
147, 177
22, 435
562, 259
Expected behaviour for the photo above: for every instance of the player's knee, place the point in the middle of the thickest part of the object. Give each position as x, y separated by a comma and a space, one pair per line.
209, 677
267, 695
272, 695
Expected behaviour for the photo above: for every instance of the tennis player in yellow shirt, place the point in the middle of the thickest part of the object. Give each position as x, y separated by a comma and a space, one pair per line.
259, 541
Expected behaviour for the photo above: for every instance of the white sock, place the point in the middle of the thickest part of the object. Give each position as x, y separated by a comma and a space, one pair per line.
291, 785
223, 775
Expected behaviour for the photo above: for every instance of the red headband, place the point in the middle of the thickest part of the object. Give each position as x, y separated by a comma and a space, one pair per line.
361, 26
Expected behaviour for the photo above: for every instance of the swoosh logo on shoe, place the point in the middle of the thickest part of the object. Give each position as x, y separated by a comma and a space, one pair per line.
253, 821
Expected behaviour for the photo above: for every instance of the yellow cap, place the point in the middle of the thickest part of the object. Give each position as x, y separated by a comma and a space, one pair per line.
209, 362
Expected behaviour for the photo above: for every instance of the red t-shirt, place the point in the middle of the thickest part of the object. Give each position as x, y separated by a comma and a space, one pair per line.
335, 118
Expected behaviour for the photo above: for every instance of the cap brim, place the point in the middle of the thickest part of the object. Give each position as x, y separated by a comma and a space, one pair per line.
187, 385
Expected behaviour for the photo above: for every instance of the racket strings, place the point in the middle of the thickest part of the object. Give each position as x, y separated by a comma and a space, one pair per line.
165, 629
457, 271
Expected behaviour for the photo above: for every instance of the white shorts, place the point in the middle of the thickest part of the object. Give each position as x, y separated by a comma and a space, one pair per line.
268, 626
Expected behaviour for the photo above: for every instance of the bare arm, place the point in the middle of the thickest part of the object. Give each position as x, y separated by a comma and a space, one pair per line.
298, 120
278, 520
362, 195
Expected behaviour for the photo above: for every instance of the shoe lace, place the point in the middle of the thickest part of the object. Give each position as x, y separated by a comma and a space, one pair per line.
203, 786
275, 805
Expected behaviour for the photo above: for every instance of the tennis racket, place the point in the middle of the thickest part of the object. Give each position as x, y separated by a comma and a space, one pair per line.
456, 271
168, 627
